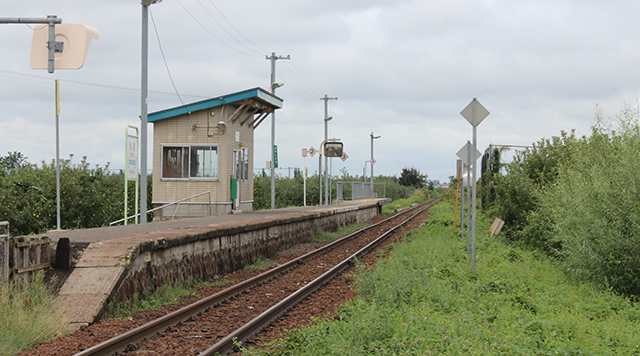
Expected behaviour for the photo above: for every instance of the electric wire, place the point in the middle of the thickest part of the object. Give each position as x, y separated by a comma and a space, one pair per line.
13, 74
225, 30
290, 87
295, 73
305, 82
231, 24
300, 84
212, 34
295, 77
165, 61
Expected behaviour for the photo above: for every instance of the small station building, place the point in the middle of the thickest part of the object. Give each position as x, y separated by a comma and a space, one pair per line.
207, 146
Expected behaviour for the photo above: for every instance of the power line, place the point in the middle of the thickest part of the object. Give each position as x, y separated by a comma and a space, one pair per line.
165, 59
301, 77
310, 96
8, 73
229, 22
212, 34
225, 30
293, 90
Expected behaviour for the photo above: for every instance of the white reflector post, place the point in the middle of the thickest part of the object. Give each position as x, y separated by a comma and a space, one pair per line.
76, 39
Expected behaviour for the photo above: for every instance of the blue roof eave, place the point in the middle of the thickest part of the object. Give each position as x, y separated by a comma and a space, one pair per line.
257, 93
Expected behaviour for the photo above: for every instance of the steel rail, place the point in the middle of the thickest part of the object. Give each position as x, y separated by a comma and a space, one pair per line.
266, 318
120, 342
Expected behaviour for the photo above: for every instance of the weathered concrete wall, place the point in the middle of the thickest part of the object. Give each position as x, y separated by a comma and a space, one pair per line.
206, 253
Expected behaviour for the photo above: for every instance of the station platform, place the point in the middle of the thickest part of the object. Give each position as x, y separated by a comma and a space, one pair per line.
119, 261
88, 236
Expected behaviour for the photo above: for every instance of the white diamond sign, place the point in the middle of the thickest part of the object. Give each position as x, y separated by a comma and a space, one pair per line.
481, 112
312, 151
463, 154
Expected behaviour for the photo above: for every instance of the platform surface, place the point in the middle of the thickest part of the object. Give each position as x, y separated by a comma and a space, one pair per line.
87, 236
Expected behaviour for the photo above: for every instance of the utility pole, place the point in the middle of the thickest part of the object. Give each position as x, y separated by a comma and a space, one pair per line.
326, 178
372, 161
144, 101
273, 87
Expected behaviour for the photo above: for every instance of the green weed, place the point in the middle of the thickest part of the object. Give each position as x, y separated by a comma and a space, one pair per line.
259, 263
164, 295
425, 300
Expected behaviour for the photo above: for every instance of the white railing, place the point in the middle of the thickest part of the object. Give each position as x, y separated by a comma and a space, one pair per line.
167, 205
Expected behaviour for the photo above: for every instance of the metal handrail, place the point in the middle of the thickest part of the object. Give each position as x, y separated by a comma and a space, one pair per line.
166, 205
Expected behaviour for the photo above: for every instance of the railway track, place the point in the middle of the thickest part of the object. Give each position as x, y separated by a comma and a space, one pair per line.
217, 323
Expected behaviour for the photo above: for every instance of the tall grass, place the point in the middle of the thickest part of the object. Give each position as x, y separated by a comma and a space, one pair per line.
425, 300
28, 317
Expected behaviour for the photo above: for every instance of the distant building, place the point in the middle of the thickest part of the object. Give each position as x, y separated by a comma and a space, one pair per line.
208, 146
442, 185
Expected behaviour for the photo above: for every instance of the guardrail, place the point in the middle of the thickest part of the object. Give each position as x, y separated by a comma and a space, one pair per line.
167, 205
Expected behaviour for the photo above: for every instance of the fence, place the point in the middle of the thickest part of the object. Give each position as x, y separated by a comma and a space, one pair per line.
359, 190
30, 255
23, 257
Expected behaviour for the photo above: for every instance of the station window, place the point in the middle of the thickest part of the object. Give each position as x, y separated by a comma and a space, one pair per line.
189, 162
241, 164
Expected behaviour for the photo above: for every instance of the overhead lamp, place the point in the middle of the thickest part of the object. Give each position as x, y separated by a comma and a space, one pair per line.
276, 85
329, 118
150, 2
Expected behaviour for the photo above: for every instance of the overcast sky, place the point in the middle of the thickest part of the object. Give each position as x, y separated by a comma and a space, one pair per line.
401, 69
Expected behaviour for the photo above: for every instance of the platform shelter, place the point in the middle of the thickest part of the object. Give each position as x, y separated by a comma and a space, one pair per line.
207, 146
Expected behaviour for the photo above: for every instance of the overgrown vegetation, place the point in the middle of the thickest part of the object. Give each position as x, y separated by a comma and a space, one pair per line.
27, 317
419, 196
425, 300
89, 197
578, 199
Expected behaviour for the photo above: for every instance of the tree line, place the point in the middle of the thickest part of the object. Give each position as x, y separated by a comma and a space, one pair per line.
94, 196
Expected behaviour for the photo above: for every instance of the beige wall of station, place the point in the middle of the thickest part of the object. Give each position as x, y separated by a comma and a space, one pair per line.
201, 127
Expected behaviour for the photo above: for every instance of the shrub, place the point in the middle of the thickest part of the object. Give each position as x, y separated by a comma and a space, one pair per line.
596, 206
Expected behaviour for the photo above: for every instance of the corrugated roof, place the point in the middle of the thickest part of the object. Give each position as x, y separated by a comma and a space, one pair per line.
258, 94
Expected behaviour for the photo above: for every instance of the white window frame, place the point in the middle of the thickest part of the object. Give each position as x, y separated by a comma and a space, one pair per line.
188, 176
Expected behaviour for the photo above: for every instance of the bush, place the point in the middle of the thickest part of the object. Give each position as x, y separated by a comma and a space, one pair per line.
530, 174
89, 197
596, 206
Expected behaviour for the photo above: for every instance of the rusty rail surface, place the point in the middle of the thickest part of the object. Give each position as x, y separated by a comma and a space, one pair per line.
121, 341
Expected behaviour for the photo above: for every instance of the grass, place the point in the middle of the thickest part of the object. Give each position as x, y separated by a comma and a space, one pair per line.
325, 236
396, 205
27, 317
164, 295
425, 300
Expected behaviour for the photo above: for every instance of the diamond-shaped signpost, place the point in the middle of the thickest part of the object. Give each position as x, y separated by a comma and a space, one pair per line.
474, 113
466, 154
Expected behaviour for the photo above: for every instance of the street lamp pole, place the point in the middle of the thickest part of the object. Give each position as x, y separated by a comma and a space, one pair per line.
372, 161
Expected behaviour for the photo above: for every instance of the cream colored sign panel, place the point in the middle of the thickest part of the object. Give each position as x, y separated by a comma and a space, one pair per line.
76, 39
